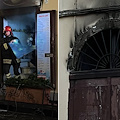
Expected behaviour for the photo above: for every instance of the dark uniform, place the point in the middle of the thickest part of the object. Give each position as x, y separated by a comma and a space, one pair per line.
9, 57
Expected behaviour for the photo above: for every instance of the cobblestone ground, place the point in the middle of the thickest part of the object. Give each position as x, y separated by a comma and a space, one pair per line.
23, 116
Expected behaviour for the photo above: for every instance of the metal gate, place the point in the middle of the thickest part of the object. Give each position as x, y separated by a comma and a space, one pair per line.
94, 99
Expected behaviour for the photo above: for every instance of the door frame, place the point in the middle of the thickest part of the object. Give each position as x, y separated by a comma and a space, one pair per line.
108, 80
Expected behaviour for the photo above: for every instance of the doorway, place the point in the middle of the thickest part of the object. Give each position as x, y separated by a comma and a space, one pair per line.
95, 99
94, 92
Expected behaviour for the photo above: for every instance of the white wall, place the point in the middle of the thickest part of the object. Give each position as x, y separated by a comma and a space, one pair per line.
66, 33
66, 30
84, 4
67, 27
67, 4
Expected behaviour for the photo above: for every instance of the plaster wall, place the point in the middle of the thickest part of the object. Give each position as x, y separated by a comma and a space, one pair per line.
66, 33
67, 5
85, 4
68, 27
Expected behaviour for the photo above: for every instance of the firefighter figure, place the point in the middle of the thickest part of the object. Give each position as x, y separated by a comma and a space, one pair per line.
8, 57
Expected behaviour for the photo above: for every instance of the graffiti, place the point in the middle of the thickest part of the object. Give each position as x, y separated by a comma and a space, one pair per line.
14, 94
28, 96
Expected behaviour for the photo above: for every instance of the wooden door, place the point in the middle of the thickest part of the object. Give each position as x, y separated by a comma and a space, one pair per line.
94, 99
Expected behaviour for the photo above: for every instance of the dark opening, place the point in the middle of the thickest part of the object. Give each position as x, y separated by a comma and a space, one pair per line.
101, 51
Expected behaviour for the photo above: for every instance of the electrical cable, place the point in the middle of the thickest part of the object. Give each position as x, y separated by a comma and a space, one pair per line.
16, 113
15, 102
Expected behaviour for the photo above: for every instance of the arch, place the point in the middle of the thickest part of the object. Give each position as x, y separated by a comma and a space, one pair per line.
100, 27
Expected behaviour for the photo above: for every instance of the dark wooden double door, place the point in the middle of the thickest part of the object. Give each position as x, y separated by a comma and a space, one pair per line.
94, 99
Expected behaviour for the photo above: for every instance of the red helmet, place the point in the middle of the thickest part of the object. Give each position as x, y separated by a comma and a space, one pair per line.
7, 28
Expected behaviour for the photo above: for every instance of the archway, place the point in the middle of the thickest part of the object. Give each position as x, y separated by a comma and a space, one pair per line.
101, 51
95, 76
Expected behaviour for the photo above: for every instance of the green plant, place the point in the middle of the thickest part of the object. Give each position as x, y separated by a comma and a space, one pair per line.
31, 82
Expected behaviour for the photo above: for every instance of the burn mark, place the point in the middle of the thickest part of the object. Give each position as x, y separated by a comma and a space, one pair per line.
88, 32
71, 44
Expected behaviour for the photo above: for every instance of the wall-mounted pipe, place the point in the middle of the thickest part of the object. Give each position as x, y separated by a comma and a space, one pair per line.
79, 12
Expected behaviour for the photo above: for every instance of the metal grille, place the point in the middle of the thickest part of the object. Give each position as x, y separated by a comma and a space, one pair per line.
101, 51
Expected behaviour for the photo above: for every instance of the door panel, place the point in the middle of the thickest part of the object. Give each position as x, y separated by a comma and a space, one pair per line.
91, 100
115, 98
